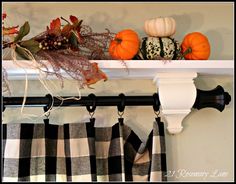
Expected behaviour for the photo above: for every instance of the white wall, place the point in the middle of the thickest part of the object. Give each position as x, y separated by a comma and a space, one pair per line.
206, 143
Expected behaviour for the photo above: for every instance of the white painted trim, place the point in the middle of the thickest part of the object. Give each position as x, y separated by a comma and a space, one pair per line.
138, 69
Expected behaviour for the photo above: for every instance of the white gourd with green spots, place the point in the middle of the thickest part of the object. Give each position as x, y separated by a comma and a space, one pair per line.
159, 48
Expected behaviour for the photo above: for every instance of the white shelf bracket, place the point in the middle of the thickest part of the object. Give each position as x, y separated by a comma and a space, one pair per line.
177, 94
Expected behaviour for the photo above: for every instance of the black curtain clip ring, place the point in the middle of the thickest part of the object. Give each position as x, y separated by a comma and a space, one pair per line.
91, 109
157, 113
120, 113
121, 106
156, 105
47, 115
49, 105
91, 114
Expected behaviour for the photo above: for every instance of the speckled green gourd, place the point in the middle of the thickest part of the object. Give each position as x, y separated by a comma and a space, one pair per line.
159, 48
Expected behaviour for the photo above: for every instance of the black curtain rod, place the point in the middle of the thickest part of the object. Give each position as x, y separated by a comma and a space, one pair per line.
215, 98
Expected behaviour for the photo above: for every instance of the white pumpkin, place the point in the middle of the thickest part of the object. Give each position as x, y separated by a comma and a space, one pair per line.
160, 27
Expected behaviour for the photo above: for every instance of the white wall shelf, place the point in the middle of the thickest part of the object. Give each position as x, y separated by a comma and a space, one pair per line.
138, 69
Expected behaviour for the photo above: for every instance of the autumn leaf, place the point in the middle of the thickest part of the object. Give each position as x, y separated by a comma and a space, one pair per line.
76, 24
10, 30
66, 30
55, 27
74, 19
100, 73
4, 15
72, 30
96, 76
55, 24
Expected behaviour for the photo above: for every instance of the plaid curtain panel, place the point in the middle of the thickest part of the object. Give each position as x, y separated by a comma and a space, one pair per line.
82, 152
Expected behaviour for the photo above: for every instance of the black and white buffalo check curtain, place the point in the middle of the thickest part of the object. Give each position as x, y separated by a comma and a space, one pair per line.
82, 152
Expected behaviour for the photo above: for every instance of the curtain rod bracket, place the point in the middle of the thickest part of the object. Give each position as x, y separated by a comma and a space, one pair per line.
177, 94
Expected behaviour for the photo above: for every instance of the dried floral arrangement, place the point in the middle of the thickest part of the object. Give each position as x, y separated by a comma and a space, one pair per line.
67, 47
70, 46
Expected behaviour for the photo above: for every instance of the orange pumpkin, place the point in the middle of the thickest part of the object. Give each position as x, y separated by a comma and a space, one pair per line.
195, 46
125, 45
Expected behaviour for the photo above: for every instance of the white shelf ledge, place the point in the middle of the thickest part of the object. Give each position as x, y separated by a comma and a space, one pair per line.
138, 69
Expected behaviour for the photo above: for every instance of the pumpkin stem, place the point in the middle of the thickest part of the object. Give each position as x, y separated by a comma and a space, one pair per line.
118, 40
189, 50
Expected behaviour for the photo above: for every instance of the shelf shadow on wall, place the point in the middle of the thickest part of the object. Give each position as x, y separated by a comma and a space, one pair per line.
102, 20
186, 23
217, 39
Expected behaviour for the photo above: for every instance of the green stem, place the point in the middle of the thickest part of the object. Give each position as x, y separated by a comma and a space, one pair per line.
65, 20
80, 22
118, 40
189, 50
8, 44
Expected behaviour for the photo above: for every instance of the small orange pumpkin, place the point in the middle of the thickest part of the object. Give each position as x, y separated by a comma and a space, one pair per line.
125, 45
195, 46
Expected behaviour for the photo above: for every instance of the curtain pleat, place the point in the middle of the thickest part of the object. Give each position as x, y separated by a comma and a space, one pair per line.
82, 152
